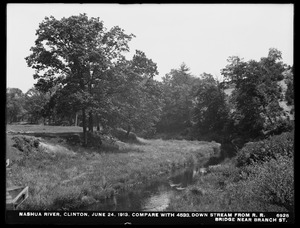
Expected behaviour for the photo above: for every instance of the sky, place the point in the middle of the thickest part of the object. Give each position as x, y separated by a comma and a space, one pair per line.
202, 36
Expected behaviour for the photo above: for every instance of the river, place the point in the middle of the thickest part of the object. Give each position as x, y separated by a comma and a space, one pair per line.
154, 196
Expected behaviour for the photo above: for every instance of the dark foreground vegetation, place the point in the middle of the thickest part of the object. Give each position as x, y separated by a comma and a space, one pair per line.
259, 178
85, 82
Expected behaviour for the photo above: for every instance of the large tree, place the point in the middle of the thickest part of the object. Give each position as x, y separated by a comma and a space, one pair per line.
35, 103
211, 112
289, 93
178, 95
15, 108
257, 93
140, 97
75, 54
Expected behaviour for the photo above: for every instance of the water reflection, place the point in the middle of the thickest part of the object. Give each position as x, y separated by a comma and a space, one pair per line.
158, 201
182, 179
154, 196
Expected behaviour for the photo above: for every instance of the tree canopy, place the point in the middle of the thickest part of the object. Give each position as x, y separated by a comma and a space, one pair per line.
257, 93
178, 95
77, 55
82, 72
15, 109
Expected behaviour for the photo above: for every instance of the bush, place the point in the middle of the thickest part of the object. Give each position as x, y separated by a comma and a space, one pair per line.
94, 140
148, 133
267, 149
67, 199
269, 166
73, 139
103, 142
281, 126
25, 144
122, 135
274, 181
289, 94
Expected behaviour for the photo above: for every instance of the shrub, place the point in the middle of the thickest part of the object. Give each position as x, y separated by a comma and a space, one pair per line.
94, 140
25, 144
67, 199
282, 125
267, 149
289, 94
102, 142
73, 139
269, 165
274, 181
147, 133
122, 135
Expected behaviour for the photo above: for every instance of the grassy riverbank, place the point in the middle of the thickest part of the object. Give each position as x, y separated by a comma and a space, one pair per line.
64, 176
260, 178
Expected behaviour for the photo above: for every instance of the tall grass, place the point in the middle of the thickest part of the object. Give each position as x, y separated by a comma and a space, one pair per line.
58, 180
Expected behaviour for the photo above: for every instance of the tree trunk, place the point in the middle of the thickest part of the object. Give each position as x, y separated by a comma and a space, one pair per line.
91, 121
76, 119
91, 124
128, 131
84, 128
270, 119
97, 123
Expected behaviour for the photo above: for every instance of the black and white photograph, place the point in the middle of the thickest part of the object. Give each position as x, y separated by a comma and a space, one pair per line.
149, 113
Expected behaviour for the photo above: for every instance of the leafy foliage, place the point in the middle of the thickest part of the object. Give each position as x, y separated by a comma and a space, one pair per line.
15, 109
80, 68
77, 54
178, 94
121, 135
35, 104
139, 99
289, 94
211, 113
256, 96
274, 181
267, 149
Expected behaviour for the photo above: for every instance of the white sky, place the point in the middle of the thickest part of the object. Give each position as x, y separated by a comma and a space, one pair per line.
201, 35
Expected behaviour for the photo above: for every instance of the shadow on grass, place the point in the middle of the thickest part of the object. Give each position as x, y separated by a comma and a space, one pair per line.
106, 147
76, 137
214, 161
73, 141
128, 150
134, 142
51, 135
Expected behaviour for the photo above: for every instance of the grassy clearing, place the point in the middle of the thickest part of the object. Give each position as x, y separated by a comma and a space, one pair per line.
63, 177
18, 128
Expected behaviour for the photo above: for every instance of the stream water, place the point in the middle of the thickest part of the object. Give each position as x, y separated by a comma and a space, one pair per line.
154, 196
